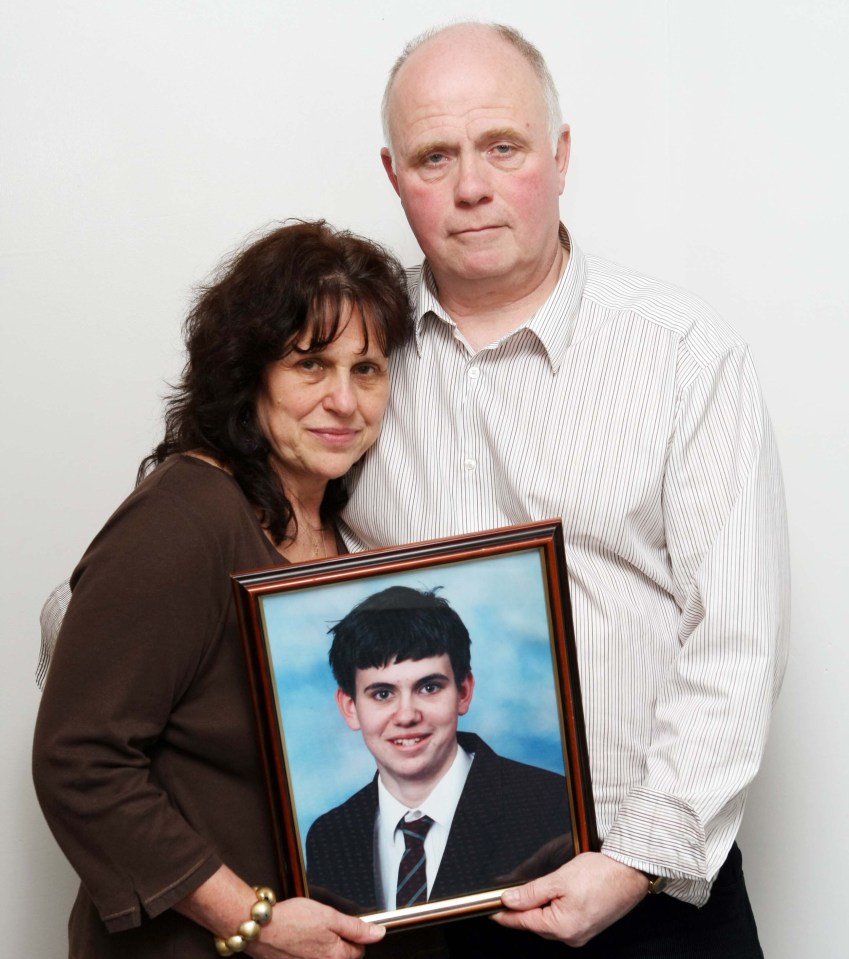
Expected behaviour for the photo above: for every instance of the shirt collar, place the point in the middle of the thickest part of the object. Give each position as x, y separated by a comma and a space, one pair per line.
553, 323
439, 805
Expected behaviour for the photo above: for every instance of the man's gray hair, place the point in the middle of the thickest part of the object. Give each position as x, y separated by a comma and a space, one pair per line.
509, 35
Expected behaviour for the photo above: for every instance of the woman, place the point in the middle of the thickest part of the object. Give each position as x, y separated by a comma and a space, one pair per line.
145, 758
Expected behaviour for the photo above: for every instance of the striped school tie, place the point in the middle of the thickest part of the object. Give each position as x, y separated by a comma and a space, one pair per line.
412, 872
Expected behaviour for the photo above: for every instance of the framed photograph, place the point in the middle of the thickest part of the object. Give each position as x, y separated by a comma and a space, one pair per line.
419, 713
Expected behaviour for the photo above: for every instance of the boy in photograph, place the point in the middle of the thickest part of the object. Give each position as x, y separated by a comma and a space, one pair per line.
444, 814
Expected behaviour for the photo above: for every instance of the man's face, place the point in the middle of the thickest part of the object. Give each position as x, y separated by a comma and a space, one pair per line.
473, 162
407, 712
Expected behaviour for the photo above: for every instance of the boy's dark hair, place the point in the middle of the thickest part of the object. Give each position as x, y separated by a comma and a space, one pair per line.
398, 623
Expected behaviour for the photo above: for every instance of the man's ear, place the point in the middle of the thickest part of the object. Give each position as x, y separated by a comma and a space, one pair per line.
561, 154
348, 708
465, 690
386, 157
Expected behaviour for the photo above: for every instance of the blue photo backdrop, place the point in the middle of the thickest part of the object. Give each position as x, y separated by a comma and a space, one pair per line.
502, 601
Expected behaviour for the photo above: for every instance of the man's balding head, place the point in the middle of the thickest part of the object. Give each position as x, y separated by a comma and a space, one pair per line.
510, 36
476, 166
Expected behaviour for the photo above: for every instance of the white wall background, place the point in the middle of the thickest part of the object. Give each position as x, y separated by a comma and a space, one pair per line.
141, 139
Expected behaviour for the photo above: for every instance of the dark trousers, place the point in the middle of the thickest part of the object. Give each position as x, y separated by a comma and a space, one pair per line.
660, 927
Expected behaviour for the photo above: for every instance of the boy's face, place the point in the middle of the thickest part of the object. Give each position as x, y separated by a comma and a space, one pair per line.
407, 712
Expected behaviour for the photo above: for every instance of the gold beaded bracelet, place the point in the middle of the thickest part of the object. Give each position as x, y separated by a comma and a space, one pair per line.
250, 928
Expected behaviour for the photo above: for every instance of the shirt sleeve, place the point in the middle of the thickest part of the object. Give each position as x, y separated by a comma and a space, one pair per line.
50, 620
727, 544
145, 610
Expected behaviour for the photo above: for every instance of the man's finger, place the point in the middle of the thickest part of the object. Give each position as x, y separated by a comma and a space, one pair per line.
534, 920
536, 893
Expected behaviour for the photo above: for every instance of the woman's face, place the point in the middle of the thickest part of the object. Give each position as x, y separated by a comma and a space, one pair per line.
320, 411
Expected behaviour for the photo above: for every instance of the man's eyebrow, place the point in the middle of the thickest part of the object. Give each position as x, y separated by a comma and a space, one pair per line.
491, 135
502, 133
428, 149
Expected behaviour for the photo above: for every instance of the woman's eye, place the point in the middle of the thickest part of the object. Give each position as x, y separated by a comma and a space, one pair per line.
309, 364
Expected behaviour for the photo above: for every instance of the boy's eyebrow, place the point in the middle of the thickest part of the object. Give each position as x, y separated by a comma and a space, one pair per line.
433, 677
430, 678
373, 686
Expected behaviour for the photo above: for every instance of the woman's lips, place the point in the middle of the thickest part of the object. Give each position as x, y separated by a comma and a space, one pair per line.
334, 436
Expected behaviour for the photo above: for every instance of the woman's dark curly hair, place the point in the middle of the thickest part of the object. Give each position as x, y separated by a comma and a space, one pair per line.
293, 284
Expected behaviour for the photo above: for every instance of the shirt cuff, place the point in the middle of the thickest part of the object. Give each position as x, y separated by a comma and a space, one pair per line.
662, 835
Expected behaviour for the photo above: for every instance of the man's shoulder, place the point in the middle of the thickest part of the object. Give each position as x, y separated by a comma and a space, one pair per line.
619, 290
414, 278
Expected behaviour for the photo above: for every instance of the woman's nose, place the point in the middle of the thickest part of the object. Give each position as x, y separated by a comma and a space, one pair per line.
341, 396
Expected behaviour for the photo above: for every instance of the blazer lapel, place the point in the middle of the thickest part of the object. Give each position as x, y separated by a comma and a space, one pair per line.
467, 862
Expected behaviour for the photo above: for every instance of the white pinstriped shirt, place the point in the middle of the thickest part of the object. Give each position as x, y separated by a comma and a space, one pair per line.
626, 407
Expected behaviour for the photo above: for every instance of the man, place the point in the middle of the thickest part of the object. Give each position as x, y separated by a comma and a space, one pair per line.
543, 382
402, 661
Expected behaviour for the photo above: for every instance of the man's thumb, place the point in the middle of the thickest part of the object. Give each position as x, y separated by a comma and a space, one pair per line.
529, 896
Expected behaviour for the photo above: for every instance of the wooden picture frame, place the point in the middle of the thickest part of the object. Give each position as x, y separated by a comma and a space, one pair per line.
509, 588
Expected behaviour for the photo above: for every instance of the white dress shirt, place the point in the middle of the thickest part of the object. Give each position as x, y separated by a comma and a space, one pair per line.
440, 805
628, 408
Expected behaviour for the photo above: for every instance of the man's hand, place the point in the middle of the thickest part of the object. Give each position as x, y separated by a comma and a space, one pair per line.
577, 901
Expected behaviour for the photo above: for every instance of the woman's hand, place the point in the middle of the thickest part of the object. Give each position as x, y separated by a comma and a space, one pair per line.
305, 929
299, 928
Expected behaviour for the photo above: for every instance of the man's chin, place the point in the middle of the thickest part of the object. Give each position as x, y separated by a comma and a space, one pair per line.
485, 266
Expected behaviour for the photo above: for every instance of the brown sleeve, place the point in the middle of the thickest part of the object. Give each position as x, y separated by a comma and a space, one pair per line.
149, 597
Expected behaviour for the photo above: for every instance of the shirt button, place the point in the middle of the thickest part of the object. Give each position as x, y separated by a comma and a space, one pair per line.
469, 465
474, 372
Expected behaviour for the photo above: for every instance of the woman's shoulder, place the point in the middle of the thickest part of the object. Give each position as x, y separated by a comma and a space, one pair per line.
188, 470
198, 484
190, 500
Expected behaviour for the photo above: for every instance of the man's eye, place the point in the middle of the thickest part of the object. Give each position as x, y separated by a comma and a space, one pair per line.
503, 149
432, 159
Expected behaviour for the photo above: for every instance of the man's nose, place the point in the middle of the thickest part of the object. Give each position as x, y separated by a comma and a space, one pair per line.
473, 184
